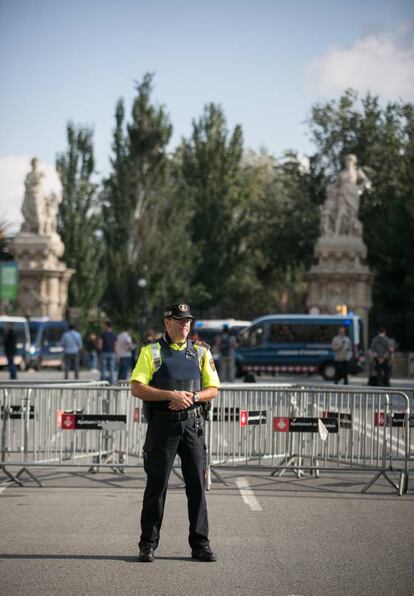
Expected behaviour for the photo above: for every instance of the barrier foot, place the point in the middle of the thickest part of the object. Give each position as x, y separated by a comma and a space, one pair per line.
403, 483
397, 487
287, 463
315, 470
29, 473
218, 477
12, 477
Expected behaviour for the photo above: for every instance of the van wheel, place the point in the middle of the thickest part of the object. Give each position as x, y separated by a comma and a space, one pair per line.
249, 378
328, 371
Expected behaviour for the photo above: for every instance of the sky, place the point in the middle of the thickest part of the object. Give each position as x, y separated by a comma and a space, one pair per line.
266, 62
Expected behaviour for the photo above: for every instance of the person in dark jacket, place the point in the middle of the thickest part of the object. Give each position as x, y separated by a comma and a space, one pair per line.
10, 350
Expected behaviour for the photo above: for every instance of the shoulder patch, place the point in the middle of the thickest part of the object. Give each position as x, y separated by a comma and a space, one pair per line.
202, 344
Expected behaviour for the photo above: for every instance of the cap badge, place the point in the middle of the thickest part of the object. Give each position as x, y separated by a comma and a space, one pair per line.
183, 307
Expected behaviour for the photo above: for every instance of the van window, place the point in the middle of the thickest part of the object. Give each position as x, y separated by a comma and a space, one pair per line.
33, 332
252, 337
302, 333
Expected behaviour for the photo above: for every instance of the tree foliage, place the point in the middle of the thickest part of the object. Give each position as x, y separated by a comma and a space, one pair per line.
136, 205
79, 221
211, 170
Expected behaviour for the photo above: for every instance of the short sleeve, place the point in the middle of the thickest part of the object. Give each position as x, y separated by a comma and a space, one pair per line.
209, 376
144, 368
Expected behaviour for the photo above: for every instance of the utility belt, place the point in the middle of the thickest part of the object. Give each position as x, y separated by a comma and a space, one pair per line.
179, 415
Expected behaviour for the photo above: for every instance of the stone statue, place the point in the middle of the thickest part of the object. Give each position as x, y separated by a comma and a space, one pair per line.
33, 208
39, 210
339, 213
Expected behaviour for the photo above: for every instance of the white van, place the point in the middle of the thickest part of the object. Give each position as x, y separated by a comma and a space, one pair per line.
21, 329
208, 329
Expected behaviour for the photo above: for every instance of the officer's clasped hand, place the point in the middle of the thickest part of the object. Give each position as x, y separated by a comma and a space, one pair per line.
181, 400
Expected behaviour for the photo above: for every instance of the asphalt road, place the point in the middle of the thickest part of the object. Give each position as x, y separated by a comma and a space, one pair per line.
283, 536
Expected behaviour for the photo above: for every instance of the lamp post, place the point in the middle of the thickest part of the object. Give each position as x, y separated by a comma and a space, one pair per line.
142, 284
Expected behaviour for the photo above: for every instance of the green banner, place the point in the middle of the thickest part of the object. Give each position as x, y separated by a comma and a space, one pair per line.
9, 280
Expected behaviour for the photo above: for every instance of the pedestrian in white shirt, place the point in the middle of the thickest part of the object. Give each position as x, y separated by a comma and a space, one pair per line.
123, 349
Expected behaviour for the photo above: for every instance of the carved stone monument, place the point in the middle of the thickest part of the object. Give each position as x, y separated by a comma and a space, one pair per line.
340, 275
37, 248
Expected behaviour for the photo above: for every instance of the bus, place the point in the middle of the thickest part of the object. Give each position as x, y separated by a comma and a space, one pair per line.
297, 344
21, 329
45, 336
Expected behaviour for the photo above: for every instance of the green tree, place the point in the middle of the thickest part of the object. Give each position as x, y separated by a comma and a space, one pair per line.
132, 200
79, 221
280, 230
382, 138
211, 168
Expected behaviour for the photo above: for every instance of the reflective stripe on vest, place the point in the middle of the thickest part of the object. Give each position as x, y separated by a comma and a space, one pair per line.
156, 355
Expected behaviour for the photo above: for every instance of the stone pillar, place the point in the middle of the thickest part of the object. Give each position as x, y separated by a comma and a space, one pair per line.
43, 279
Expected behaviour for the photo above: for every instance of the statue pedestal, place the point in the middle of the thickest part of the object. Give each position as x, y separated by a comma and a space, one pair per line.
43, 279
341, 277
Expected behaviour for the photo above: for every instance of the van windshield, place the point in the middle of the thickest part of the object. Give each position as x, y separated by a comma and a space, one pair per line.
54, 334
33, 328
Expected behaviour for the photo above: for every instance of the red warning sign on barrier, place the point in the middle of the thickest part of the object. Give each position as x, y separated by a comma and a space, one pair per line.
281, 424
68, 421
243, 417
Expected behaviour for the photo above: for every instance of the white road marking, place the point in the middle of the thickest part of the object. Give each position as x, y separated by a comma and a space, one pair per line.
247, 494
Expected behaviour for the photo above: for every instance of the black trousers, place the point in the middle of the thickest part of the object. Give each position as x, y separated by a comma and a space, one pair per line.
165, 439
72, 363
383, 371
341, 371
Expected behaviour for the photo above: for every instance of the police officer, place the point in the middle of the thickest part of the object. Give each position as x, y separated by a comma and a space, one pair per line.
175, 378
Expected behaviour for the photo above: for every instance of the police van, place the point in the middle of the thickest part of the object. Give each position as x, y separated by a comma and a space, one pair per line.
45, 337
208, 329
297, 344
21, 330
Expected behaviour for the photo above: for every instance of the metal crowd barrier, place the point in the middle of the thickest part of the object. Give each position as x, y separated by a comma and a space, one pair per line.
301, 429
279, 428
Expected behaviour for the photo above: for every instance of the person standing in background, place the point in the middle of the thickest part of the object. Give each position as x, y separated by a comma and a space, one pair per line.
382, 353
342, 349
91, 351
227, 345
10, 350
107, 343
123, 349
72, 344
